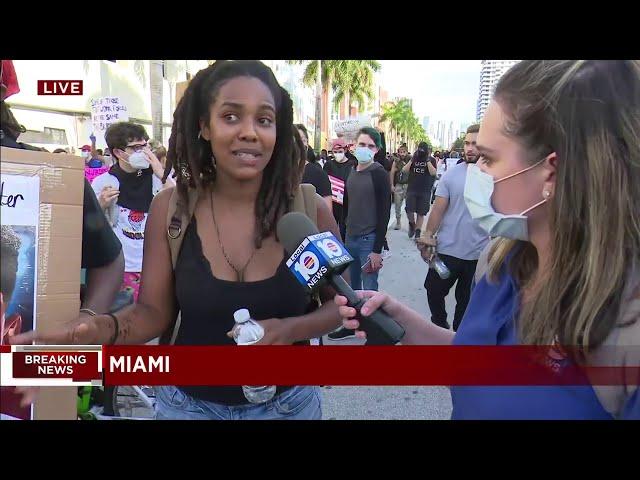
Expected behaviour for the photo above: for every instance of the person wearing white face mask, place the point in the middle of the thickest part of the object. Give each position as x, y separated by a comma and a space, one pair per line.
557, 180
338, 168
125, 193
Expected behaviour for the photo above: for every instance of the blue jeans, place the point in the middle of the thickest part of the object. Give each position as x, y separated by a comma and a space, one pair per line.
360, 247
297, 403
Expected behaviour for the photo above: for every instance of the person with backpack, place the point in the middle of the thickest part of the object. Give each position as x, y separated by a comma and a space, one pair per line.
554, 139
211, 246
399, 183
125, 193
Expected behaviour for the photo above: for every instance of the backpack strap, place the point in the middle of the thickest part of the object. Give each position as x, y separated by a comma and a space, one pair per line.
179, 216
305, 202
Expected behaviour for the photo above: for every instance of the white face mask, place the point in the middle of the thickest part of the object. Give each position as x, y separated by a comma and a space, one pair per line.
478, 190
138, 160
85, 154
339, 157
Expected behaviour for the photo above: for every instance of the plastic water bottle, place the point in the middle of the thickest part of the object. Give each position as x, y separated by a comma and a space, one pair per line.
248, 332
441, 269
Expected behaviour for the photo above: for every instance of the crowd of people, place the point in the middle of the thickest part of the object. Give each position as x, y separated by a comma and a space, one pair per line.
536, 224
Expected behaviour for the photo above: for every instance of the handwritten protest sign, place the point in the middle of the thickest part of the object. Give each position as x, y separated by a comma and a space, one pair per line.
104, 112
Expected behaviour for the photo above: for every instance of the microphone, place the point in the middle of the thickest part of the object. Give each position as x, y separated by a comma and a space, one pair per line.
319, 258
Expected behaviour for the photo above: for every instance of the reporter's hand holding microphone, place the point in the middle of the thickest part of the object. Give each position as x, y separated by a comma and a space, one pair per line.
373, 302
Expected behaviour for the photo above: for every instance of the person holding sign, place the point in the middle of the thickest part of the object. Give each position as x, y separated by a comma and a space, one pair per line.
338, 169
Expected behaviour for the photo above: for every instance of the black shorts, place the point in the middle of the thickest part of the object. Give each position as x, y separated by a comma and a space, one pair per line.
417, 202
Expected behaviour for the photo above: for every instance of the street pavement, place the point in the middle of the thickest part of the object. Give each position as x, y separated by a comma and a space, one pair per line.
402, 277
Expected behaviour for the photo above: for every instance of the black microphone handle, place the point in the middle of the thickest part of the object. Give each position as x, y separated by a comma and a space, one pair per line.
380, 328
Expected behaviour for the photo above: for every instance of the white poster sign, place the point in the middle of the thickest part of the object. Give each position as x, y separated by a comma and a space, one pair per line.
104, 112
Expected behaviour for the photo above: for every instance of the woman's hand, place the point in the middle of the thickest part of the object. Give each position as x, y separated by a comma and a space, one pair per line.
375, 300
276, 332
84, 330
29, 395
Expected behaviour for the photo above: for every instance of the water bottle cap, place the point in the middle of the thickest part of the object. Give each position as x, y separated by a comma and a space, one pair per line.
242, 315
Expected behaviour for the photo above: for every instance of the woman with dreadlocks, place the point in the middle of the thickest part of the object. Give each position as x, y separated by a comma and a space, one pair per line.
233, 141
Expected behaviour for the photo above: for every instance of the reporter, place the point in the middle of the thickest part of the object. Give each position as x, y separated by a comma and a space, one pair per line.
557, 181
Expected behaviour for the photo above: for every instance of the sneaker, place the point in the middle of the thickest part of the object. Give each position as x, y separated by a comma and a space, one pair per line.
412, 229
417, 234
342, 334
397, 227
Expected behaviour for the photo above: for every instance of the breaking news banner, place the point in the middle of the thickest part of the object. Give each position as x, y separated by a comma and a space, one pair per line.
299, 365
50, 365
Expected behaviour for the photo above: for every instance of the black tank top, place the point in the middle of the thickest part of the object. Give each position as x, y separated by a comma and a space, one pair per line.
207, 305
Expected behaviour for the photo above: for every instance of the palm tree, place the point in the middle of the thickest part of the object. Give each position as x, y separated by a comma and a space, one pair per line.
391, 113
156, 85
404, 123
355, 82
346, 78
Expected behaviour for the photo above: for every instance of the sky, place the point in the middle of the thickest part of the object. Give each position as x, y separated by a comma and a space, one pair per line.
441, 89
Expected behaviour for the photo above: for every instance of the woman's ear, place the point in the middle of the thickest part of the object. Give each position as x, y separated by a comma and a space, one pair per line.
205, 132
550, 173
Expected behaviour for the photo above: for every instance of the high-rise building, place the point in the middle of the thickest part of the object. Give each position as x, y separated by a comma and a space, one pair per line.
490, 73
440, 133
425, 123
451, 135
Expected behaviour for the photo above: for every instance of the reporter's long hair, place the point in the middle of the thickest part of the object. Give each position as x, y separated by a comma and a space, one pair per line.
190, 156
588, 112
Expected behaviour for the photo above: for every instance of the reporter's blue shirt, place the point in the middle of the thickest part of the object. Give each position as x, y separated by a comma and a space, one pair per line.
490, 320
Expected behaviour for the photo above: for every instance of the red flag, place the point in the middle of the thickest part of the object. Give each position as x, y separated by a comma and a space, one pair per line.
8, 79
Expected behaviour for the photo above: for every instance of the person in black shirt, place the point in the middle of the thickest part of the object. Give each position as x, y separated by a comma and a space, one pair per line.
422, 172
338, 169
381, 156
101, 251
313, 172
